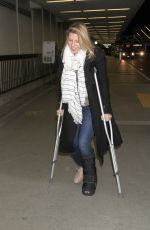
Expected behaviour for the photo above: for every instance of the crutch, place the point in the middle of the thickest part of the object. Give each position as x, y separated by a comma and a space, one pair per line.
56, 147
110, 138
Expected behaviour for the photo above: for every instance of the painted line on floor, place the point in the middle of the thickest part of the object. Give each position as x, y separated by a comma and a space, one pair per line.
138, 71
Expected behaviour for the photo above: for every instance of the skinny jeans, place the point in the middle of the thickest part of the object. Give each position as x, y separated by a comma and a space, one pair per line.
83, 137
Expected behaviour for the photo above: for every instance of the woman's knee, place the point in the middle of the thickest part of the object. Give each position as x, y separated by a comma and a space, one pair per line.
84, 147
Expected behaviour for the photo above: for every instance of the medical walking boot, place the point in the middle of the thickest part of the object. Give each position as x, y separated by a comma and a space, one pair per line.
89, 176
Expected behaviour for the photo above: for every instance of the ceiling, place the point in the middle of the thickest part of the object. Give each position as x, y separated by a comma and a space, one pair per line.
106, 19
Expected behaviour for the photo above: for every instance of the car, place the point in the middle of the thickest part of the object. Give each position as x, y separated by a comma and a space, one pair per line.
132, 51
127, 54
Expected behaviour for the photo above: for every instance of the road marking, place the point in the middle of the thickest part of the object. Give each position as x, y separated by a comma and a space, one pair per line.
144, 98
138, 71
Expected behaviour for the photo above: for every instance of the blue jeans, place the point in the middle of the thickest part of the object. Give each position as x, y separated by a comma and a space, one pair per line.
83, 137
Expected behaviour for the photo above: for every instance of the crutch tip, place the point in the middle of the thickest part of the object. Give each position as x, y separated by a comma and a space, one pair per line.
51, 180
120, 195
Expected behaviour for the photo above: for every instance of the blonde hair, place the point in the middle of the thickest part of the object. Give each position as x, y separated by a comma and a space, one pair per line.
85, 42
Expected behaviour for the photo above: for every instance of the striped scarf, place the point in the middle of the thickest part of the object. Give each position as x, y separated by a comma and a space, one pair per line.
73, 87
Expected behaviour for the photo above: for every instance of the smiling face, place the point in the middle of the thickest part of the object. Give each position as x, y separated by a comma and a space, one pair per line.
73, 42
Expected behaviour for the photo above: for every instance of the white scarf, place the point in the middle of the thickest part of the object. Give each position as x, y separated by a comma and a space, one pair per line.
73, 86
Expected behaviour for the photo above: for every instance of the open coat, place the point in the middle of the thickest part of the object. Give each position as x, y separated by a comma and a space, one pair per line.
69, 127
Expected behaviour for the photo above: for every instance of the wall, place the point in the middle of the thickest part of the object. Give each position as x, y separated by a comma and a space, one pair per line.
8, 31
25, 32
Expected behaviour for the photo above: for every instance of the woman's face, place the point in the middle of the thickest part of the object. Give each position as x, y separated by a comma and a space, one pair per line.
73, 42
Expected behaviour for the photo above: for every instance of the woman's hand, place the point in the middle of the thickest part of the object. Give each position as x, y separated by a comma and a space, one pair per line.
60, 112
106, 117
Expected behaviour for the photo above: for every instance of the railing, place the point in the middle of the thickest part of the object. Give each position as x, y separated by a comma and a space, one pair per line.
17, 70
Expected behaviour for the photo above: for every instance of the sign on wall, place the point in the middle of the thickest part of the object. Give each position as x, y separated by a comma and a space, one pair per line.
48, 52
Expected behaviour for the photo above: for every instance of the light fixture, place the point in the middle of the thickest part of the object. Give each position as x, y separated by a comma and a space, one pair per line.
117, 16
147, 28
115, 26
100, 26
89, 18
118, 9
116, 22
63, 1
96, 18
97, 10
70, 11
145, 34
72, 19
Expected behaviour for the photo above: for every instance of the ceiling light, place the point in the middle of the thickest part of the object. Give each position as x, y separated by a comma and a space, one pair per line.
72, 19
58, 1
97, 18
115, 26
118, 9
117, 17
70, 11
101, 30
115, 31
63, 1
98, 10
145, 34
117, 22
147, 28
110, 30
101, 26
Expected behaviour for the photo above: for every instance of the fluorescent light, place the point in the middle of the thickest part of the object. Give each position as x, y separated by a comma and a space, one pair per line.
107, 27
97, 29
145, 34
117, 22
137, 45
101, 26
98, 10
107, 32
90, 18
115, 31
58, 1
118, 9
82, 11
147, 28
70, 11
96, 18
117, 17
63, 1
115, 26
72, 19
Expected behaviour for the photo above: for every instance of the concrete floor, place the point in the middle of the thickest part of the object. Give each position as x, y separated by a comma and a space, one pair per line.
27, 134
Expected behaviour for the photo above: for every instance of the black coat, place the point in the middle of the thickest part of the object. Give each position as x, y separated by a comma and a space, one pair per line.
69, 127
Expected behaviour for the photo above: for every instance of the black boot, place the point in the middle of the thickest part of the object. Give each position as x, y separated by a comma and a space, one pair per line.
89, 176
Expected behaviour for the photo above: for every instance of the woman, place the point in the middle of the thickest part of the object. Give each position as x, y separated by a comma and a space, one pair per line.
82, 114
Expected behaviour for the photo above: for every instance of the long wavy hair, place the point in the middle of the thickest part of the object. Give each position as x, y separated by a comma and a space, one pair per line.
85, 42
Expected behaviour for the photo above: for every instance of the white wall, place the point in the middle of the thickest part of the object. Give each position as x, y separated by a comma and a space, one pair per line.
25, 29
37, 30
32, 31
